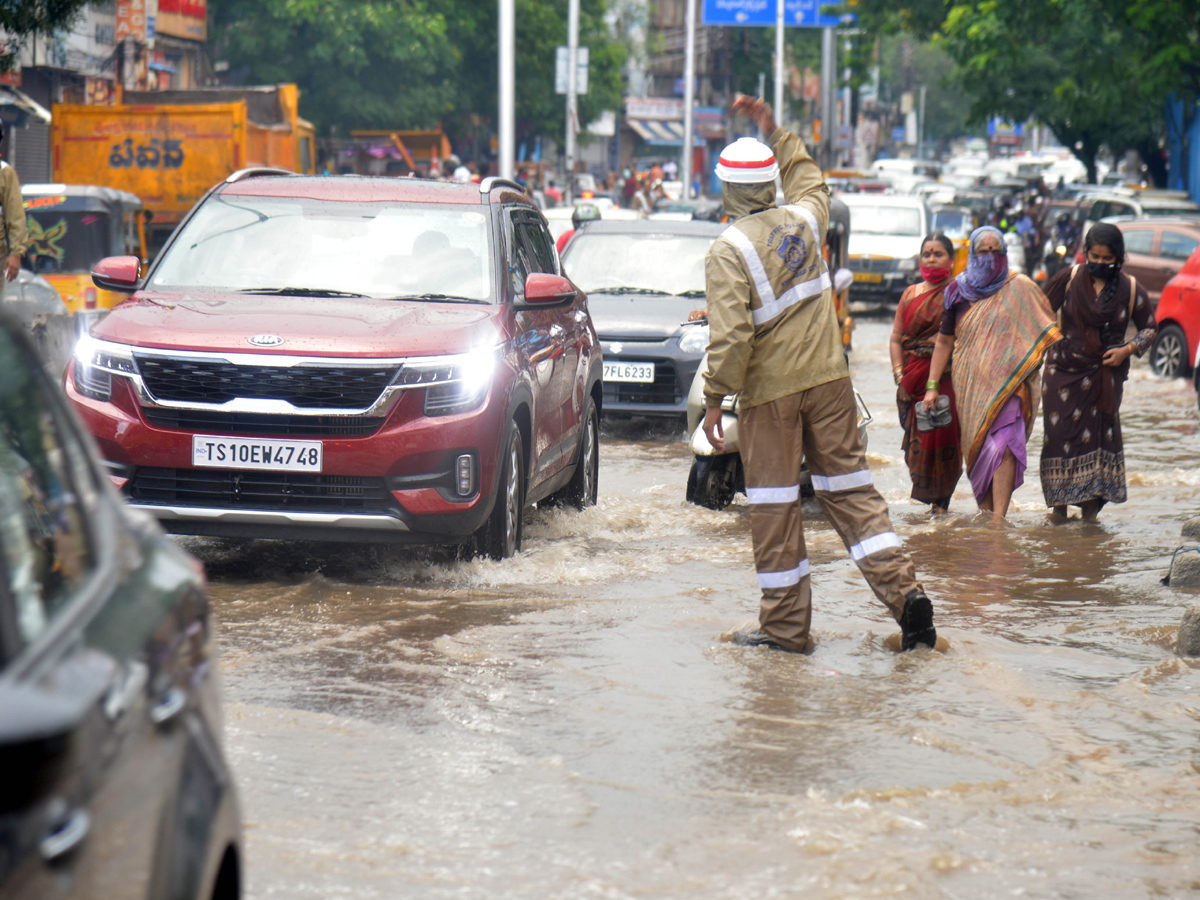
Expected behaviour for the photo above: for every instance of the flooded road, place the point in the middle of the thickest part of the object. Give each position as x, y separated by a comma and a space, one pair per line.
568, 724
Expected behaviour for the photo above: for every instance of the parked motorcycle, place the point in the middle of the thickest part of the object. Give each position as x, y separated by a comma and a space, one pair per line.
717, 477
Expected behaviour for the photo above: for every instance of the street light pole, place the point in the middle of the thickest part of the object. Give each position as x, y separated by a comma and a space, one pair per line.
507, 83
779, 26
689, 98
828, 89
572, 88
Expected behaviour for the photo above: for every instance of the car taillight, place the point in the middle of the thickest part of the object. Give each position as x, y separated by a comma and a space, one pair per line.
89, 298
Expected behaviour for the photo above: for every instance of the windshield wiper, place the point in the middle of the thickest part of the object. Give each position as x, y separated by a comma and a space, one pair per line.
698, 292
432, 296
627, 290
301, 292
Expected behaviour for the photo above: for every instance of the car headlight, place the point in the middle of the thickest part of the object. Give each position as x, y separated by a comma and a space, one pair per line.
694, 340
907, 265
453, 384
96, 362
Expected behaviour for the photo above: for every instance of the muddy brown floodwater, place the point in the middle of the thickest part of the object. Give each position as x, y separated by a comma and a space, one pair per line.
568, 724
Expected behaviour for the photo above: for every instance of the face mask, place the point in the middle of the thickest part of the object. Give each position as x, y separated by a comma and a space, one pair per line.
1105, 271
936, 274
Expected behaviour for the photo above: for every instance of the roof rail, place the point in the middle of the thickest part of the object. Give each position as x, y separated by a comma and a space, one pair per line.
256, 172
494, 181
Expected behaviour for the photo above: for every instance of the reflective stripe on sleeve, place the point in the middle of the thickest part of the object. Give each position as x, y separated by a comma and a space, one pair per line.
873, 545
774, 494
808, 217
768, 580
830, 483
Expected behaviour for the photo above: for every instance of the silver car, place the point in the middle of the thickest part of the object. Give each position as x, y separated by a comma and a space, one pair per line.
642, 279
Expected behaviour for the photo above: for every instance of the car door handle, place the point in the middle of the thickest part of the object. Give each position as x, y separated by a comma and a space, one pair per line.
171, 705
67, 836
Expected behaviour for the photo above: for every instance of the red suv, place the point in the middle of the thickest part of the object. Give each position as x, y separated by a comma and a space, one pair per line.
345, 358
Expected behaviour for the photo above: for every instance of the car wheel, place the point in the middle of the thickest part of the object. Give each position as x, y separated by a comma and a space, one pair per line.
581, 491
1168, 354
500, 538
712, 481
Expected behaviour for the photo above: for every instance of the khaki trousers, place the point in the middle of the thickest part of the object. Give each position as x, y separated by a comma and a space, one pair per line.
819, 425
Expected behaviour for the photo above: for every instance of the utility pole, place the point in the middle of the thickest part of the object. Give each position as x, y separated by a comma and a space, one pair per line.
921, 126
507, 83
780, 116
828, 95
572, 88
689, 98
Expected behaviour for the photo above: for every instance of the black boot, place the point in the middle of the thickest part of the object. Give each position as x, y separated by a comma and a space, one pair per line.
916, 622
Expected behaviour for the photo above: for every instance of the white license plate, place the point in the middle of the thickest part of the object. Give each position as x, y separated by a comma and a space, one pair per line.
211, 451
623, 371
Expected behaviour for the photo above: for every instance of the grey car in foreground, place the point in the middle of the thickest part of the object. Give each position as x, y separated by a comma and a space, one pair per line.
642, 279
113, 782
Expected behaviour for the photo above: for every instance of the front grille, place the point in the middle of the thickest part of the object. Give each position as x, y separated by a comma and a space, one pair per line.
872, 265
665, 388
262, 425
219, 381
223, 489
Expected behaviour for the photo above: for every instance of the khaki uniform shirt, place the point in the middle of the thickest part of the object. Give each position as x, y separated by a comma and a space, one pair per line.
772, 324
13, 236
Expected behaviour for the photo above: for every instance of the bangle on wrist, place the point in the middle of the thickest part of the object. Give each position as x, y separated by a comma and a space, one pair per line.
931, 385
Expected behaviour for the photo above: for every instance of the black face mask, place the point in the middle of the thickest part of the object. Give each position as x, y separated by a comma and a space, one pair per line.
1106, 271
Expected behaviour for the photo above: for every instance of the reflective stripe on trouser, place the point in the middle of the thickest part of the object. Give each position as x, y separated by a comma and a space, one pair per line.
818, 425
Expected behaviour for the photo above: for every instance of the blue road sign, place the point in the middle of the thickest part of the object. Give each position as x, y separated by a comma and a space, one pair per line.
796, 13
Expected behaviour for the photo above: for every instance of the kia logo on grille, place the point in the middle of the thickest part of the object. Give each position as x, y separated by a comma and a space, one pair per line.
265, 340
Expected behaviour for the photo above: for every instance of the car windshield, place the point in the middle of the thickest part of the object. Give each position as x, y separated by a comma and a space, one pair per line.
654, 263
903, 220
953, 223
331, 248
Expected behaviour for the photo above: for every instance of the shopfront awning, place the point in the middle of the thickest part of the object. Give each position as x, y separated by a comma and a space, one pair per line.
16, 107
661, 132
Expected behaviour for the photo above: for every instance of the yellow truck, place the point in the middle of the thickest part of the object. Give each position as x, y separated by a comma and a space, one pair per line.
169, 147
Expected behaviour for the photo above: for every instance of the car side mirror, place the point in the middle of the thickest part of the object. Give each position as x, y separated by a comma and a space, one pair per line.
542, 289
117, 273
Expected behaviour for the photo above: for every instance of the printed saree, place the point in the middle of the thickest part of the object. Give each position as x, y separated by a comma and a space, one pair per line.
999, 345
933, 457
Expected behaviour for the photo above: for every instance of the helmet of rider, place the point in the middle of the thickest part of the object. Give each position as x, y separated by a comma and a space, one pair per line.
1062, 218
584, 212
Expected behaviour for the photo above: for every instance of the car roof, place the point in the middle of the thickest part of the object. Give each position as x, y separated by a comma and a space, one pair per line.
653, 226
1192, 222
368, 189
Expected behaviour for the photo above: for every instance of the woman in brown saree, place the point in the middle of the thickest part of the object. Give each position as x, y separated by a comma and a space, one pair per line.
999, 325
933, 456
1083, 457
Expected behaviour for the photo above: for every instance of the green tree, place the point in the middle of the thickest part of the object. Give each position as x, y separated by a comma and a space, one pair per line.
415, 63
358, 63
20, 19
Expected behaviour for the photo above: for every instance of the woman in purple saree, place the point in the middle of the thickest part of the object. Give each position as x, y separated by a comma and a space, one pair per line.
1000, 325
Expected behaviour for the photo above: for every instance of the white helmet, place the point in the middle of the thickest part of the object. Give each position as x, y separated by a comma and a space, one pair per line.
747, 161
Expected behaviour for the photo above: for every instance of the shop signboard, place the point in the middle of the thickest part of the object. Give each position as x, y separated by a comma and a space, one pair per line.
131, 20
183, 19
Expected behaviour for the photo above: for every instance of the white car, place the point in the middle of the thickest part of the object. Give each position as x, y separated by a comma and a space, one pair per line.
885, 244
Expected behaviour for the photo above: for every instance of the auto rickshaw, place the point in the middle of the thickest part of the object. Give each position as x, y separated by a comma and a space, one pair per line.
837, 248
74, 226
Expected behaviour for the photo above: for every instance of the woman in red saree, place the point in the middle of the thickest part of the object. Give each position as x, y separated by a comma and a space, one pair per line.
933, 457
